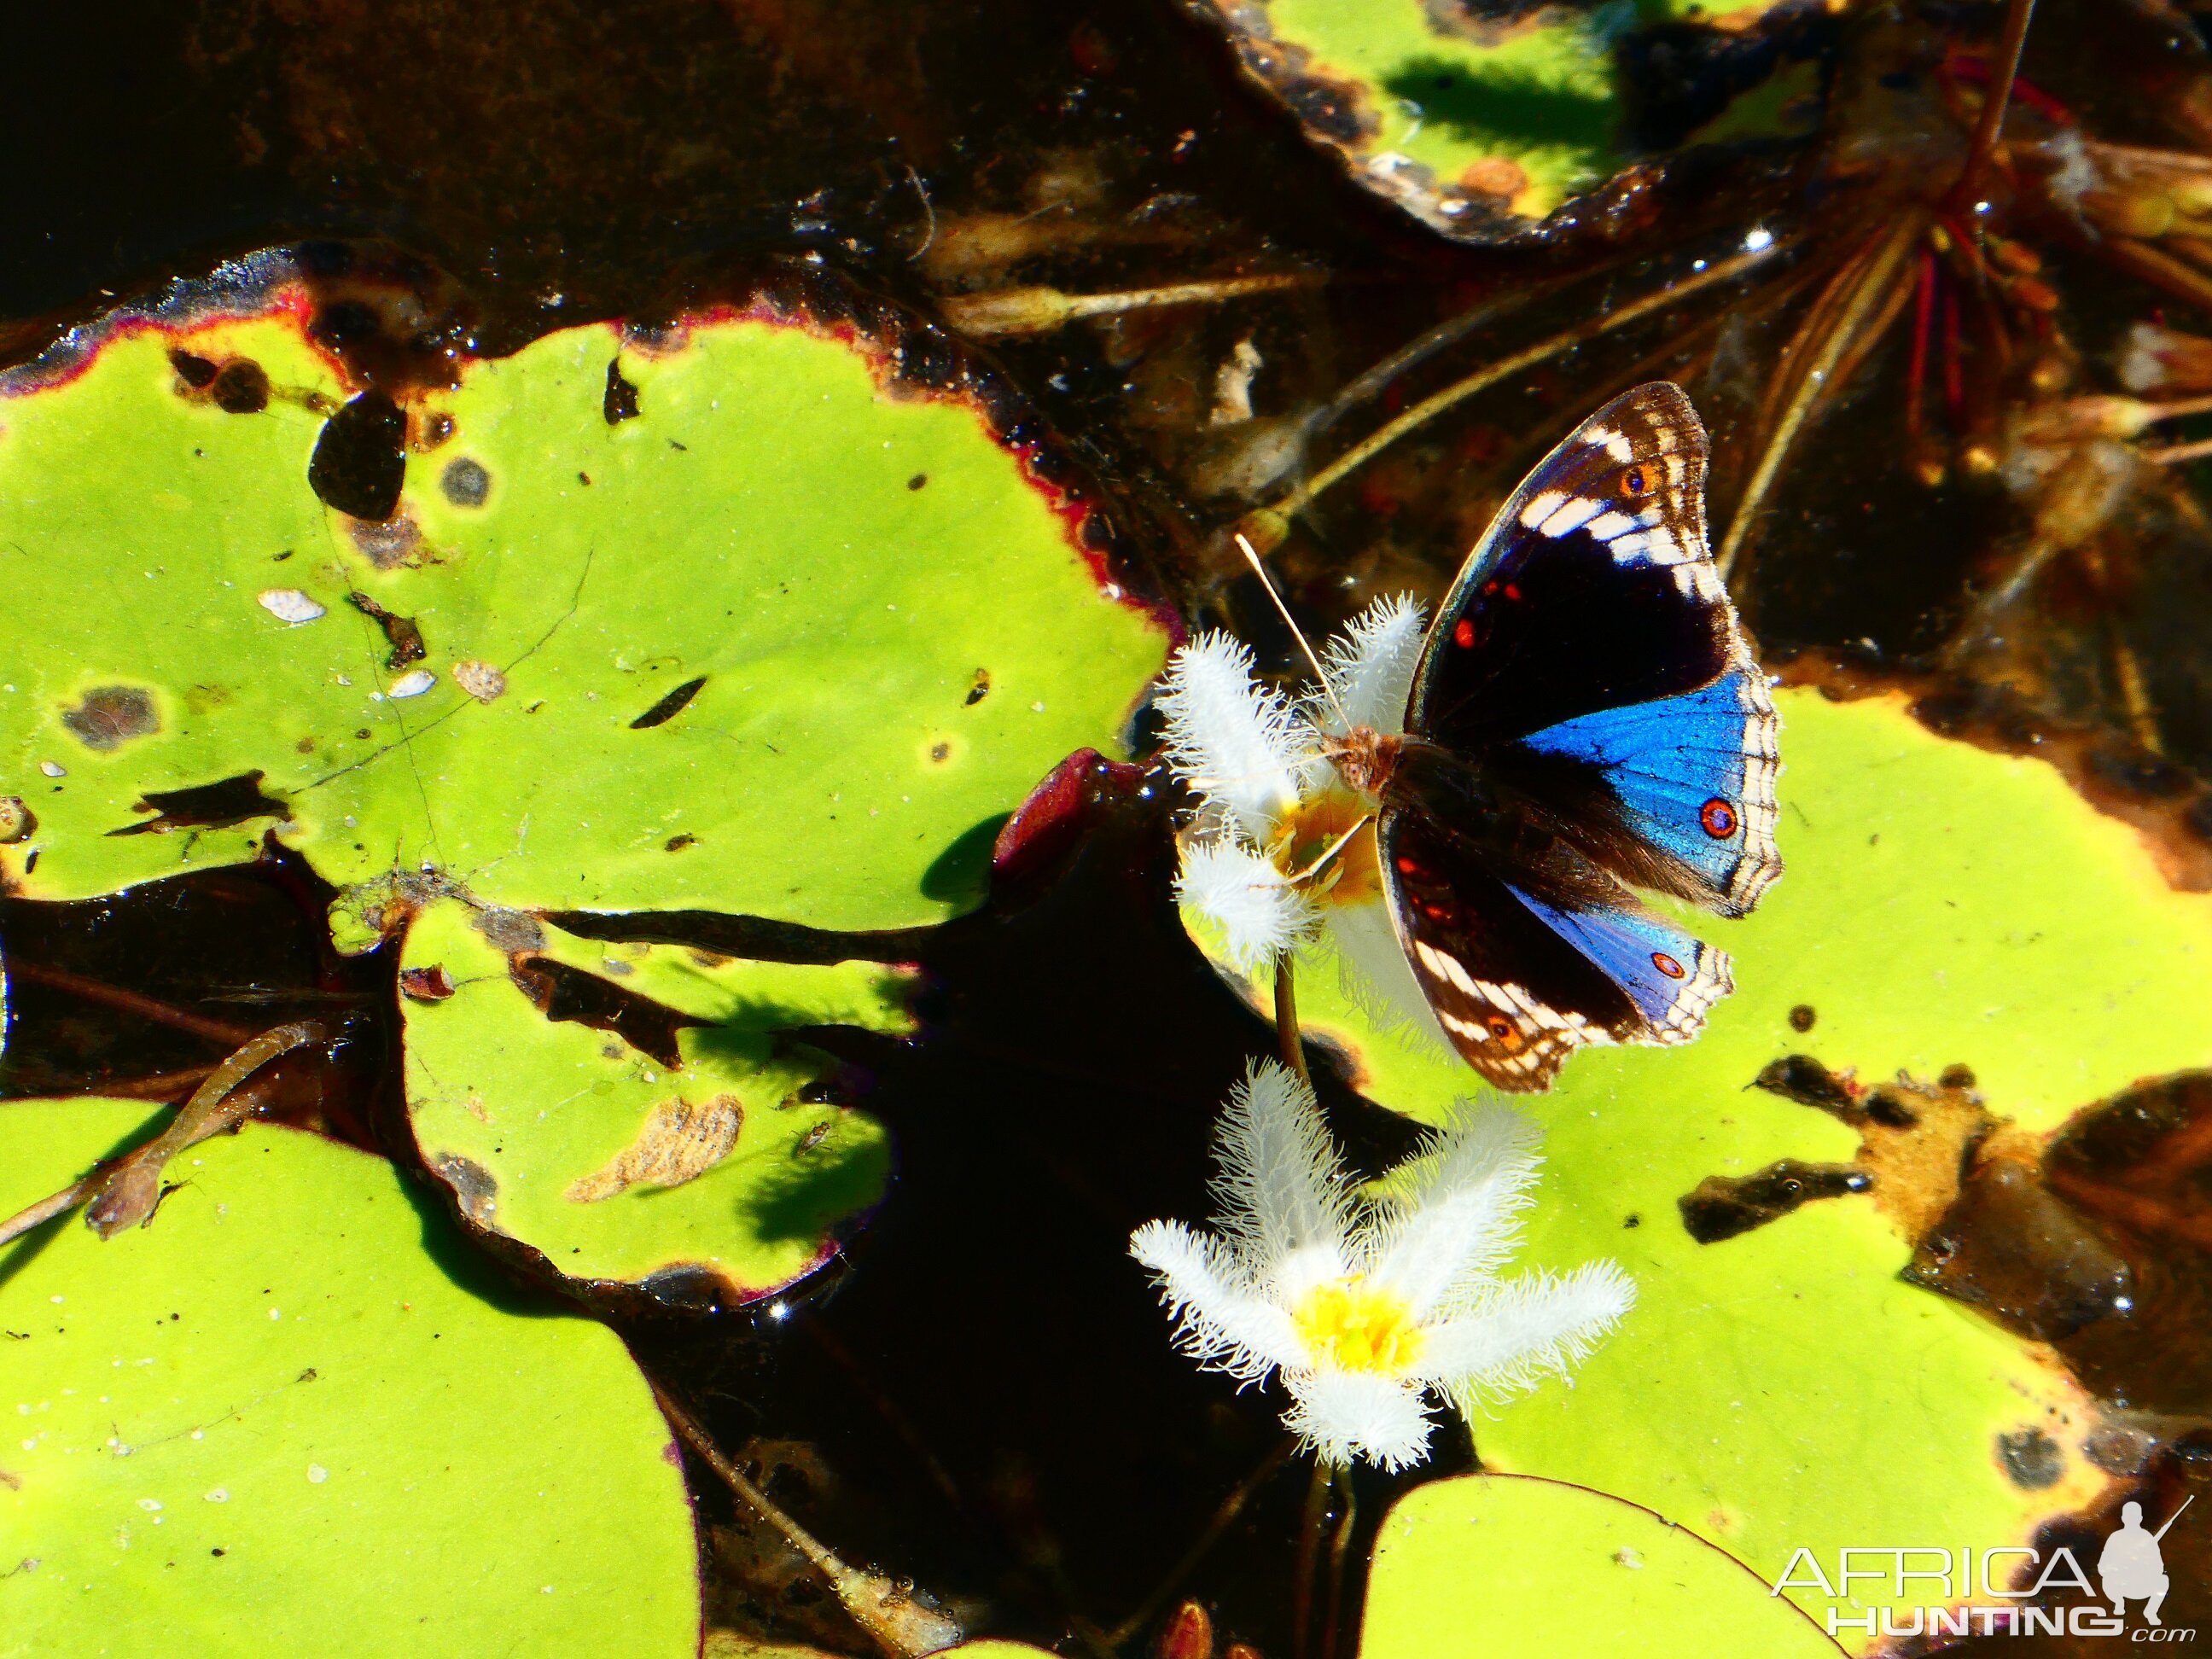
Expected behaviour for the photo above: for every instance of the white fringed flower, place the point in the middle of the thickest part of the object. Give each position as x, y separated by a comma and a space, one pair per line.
1362, 1306
1258, 860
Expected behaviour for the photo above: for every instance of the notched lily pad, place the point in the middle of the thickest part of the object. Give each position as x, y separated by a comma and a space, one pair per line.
716, 653
1488, 119
1958, 919
290, 1417
631, 1112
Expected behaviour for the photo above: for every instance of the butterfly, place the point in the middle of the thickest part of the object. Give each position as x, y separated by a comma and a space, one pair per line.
1586, 718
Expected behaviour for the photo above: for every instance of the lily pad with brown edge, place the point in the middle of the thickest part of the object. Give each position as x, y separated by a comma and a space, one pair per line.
632, 1113
294, 1415
1946, 910
1489, 123
1501, 1566
786, 628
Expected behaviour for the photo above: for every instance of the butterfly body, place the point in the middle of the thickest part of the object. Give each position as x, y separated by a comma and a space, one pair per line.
1586, 719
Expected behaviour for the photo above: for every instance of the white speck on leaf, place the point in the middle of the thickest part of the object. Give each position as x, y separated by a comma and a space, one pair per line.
289, 605
413, 685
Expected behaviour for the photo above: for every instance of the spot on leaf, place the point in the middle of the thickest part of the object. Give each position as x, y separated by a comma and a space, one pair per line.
110, 716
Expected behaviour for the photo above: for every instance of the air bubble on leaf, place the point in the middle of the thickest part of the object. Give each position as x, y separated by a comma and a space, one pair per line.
413, 685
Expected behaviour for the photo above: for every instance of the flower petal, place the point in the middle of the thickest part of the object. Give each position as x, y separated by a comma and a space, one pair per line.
1240, 743
1524, 1329
1342, 1415
1281, 1189
1260, 915
1370, 665
1221, 1320
1371, 966
1446, 1220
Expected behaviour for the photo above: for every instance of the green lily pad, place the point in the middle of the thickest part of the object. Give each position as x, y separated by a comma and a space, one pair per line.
275, 1422
1505, 1567
1481, 121
612, 1163
1944, 906
789, 640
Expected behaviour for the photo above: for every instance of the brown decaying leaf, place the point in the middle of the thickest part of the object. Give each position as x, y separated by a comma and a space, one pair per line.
679, 1143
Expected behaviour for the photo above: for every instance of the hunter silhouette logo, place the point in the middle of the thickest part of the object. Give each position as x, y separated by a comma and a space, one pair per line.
2131, 1566
2004, 1591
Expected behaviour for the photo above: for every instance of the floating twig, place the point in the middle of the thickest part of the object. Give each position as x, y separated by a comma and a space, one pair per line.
128, 1189
1040, 310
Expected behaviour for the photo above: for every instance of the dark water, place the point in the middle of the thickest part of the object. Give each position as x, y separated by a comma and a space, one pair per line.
978, 1395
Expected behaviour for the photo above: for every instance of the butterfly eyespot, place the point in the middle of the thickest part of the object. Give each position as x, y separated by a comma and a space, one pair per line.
1633, 483
1666, 964
1463, 634
1503, 1030
1718, 819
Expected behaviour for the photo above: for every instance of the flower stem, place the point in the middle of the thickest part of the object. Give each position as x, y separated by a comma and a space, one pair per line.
1339, 1544
1286, 1020
1302, 1585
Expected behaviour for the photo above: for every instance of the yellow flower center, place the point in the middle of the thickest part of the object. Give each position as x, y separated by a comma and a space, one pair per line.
1309, 829
1354, 1326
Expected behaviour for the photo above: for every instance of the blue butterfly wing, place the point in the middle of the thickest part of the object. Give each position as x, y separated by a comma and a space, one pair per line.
1587, 701
1673, 976
1520, 981
1693, 776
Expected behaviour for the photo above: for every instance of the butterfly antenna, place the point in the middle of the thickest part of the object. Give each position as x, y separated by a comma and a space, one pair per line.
1297, 633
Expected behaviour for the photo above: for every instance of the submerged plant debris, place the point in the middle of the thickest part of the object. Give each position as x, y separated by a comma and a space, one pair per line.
608, 561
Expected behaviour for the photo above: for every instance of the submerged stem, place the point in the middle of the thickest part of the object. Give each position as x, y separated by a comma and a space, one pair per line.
130, 1002
1266, 526
1224, 1518
1872, 288
897, 1624
2007, 70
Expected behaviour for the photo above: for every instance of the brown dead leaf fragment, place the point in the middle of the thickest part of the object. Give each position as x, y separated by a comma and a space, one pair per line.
680, 1141
400, 632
